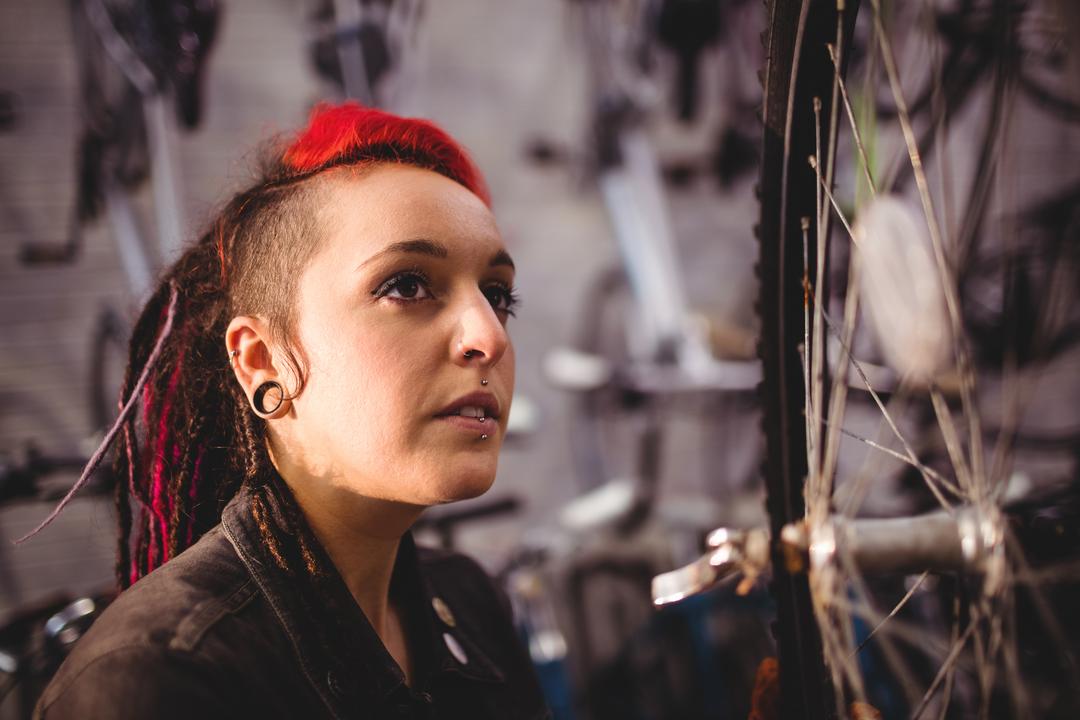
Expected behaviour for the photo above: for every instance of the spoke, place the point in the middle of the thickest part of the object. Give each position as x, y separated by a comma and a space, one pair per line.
954, 637
987, 165
1054, 630
1062, 572
952, 441
1015, 384
892, 613
979, 651
866, 381
824, 591
826, 466
967, 377
885, 643
888, 417
838, 401
913, 635
943, 671
944, 481
845, 671
873, 462
811, 436
1018, 694
845, 653
851, 119
937, 112
817, 354
868, 108
997, 643
828, 593
896, 431
832, 201
1020, 388
6, 689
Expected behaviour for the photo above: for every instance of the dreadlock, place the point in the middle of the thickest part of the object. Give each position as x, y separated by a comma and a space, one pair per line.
196, 439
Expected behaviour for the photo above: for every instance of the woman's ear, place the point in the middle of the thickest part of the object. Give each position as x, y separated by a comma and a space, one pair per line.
251, 355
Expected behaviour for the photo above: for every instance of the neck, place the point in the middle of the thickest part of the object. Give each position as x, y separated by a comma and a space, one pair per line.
361, 536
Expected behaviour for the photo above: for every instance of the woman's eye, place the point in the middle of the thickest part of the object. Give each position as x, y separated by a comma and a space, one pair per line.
406, 286
502, 298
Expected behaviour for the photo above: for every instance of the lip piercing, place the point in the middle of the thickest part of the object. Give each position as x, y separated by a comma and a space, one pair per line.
483, 437
483, 381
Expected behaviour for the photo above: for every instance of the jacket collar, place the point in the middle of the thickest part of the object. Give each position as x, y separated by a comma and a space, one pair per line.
340, 653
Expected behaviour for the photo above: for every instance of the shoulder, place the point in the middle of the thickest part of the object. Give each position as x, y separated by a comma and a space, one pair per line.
176, 604
149, 644
134, 681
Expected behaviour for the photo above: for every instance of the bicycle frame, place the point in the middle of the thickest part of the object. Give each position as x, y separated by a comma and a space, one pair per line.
629, 180
393, 22
135, 256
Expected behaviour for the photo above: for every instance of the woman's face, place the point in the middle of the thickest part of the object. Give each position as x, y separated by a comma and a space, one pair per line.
411, 275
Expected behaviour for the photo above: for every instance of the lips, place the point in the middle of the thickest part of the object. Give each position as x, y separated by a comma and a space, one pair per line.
476, 405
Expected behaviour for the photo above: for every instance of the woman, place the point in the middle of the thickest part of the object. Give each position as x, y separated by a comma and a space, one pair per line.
330, 359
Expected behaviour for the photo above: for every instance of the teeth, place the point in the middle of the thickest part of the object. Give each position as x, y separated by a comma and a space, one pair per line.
474, 412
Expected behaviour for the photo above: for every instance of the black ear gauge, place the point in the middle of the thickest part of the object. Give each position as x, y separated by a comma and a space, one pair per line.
258, 400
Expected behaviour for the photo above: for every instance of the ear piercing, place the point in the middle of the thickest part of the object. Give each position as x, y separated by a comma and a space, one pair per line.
233, 354
258, 399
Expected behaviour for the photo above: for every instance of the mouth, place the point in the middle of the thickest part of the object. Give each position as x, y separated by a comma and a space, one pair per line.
475, 411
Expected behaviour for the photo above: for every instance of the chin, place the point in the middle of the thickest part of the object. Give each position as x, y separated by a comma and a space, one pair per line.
464, 483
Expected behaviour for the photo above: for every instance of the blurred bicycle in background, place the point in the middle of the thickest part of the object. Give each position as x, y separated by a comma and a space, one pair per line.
135, 58
141, 66
369, 50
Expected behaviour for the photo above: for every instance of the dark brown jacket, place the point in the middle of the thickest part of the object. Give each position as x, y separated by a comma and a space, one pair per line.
221, 631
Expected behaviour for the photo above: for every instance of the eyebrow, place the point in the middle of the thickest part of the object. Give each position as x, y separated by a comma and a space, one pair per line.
431, 249
502, 258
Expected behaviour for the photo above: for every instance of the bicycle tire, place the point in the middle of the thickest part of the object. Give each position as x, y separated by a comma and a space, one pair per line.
792, 78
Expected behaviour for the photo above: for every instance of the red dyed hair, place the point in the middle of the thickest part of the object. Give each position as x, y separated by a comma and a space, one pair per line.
350, 134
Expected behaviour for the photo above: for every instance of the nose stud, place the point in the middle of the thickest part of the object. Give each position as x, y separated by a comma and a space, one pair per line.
469, 355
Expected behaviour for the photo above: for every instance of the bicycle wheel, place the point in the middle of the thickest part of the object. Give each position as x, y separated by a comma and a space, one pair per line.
979, 640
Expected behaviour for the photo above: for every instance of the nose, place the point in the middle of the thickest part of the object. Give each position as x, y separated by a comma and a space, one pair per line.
481, 336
